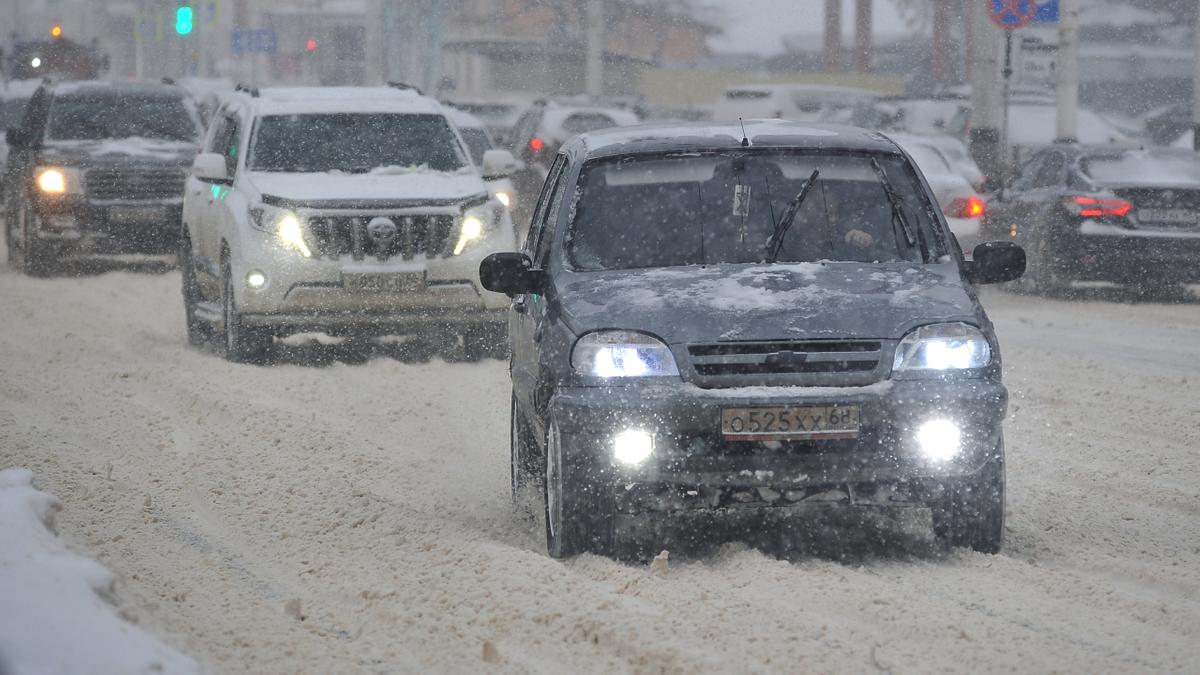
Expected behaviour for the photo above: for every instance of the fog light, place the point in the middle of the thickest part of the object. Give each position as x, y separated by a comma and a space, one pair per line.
504, 198
939, 440
256, 280
631, 448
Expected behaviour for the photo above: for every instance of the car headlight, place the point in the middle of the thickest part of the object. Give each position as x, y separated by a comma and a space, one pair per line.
942, 347
475, 225
287, 227
505, 199
619, 353
58, 180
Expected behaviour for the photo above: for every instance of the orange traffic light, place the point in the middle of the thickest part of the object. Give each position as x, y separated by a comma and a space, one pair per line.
56, 31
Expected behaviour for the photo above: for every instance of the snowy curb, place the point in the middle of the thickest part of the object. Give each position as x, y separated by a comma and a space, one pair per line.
56, 615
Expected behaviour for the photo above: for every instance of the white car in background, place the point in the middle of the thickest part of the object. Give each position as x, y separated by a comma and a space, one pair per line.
349, 211
799, 103
479, 144
963, 207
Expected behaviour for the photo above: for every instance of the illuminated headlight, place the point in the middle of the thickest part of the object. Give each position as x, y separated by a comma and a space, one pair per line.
611, 354
470, 231
632, 447
288, 229
942, 347
505, 199
939, 440
256, 279
56, 180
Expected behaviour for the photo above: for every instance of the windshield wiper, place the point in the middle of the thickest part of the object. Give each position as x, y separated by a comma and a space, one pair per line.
775, 245
898, 211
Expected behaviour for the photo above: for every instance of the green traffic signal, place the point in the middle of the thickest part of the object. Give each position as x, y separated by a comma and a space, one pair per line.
184, 20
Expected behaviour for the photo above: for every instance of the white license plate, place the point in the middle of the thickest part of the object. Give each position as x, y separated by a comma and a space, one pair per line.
780, 423
394, 282
137, 214
1174, 216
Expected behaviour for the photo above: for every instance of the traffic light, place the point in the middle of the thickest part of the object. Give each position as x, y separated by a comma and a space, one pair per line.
310, 46
56, 31
184, 20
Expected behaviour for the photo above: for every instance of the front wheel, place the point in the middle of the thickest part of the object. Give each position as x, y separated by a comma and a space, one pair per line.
577, 516
242, 344
525, 468
197, 331
972, 512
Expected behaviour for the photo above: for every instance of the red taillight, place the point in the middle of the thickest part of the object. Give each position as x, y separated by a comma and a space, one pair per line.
1092, 207
967, 207
536, 144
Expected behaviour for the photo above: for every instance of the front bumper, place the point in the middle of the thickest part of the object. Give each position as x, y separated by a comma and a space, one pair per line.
101, 227
695, 469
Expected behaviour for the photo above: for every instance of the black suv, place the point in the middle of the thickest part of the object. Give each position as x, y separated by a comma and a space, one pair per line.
97, 168
715, 330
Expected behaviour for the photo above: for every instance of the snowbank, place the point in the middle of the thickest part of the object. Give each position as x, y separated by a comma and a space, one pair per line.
55, 616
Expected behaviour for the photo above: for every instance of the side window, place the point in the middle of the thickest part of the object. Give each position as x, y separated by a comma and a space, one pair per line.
233, 144
537, 226
552, 214
1050, 175
216, 136
1029, 171
34, 120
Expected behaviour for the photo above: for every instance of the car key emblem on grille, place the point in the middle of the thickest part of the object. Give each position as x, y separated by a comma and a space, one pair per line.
382, 232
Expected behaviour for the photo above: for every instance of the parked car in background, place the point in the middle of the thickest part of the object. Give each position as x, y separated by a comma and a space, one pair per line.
959, 201
1032, 125
499, 115
98, 168
479, 144
1104, 213
800, 103
349, 211
542, 130
14, 95
686, 363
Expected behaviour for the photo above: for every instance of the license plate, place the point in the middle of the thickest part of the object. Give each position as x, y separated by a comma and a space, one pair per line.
385, 282
137, 214
783, 423
1172, 216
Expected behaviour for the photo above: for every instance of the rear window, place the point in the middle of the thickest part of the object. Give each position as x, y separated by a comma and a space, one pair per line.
477, 142
581, 123
354, 143
676, 210
1136, 167
95, 117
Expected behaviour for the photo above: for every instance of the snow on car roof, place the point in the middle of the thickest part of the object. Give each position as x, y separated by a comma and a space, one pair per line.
463, 119
330, 100
701, 136
114, 87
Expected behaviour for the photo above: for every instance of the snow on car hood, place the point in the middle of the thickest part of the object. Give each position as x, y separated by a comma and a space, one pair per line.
382, 184
767, 302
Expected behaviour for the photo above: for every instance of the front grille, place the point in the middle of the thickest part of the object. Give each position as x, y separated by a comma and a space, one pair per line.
134, 184
785, 358
406, 237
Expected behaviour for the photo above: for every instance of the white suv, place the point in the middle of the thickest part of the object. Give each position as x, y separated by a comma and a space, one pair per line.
345, 211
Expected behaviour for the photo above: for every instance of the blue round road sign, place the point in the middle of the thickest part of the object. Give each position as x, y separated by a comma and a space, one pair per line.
1013, 14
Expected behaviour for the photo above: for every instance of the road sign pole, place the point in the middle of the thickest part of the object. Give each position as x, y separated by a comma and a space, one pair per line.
986, 94
1005, 151
1067, 70
1196, 87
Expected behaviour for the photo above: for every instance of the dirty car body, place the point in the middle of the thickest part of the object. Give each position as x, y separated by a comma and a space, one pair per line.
675, 367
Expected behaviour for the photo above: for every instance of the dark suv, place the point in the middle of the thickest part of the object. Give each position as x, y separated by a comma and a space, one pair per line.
97, 168
714, 330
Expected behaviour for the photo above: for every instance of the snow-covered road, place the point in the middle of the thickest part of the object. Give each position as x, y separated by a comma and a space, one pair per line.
329, 516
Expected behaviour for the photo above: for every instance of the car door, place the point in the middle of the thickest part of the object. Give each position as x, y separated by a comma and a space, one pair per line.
1035, 207
527, 310
199, 196
219, 219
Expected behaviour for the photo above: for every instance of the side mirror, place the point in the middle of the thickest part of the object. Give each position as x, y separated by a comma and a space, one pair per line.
498, 164
210, 167
995, 262
16, 138
510, 273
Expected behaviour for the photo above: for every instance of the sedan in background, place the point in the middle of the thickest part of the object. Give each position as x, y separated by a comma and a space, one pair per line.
962, 206
1104, 213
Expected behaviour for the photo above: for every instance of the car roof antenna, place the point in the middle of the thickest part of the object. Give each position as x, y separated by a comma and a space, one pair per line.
745, 138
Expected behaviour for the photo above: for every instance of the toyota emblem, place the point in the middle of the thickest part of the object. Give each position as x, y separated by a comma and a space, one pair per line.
382, 231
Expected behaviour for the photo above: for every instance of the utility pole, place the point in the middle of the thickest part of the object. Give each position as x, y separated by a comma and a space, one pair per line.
1196, 87
987, 96
595, 48
376, 57
833, 35
1067, 70
862, 36
942, 43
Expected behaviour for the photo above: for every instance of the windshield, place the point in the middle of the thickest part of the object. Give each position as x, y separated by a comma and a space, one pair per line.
354, 143
97, 118
477, 142
724, 208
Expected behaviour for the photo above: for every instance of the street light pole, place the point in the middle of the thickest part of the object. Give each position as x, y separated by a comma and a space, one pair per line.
1196, 87
986, 94
1067, 71
594, 76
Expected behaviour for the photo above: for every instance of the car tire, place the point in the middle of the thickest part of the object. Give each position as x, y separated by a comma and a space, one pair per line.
485, 342
197, 330
241, 344
36, 258
525, 469
971, 515
576, 518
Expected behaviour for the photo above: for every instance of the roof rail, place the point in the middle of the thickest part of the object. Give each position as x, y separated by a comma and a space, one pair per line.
253, 91
404, 86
